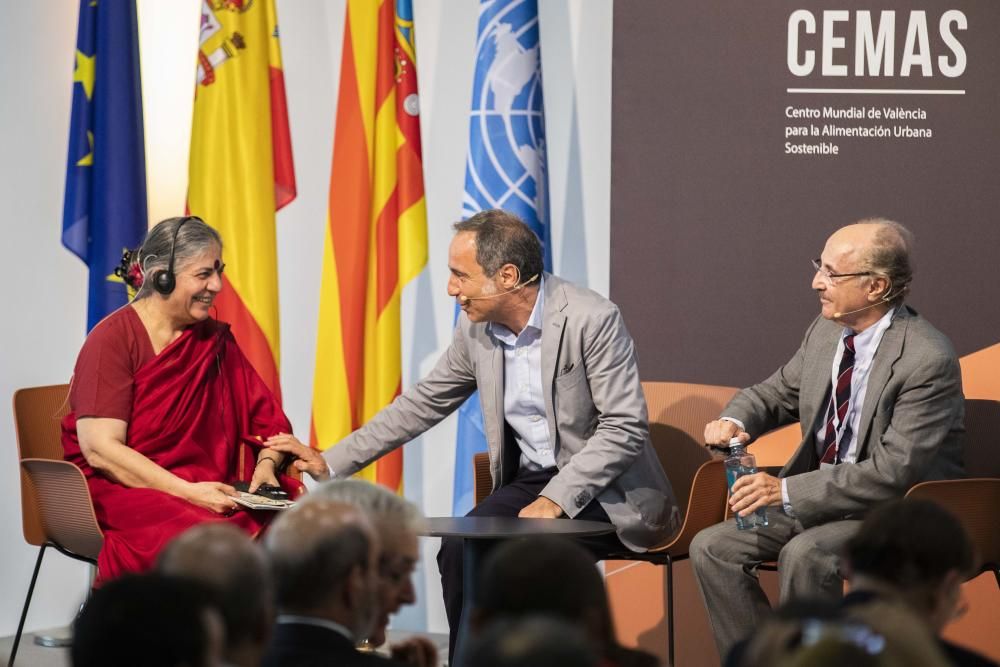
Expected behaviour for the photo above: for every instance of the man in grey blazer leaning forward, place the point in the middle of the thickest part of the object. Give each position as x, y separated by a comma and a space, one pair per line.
563, 410
878, 393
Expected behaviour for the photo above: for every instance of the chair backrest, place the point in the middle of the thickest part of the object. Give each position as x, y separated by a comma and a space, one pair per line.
678, 413
38, 412
982, 437
706, 504
975, 503
63, 506
482, 479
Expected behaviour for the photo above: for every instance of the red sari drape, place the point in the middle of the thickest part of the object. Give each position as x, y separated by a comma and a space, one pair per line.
194, 405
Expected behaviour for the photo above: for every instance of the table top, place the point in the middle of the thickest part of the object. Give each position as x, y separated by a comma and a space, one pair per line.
499, 527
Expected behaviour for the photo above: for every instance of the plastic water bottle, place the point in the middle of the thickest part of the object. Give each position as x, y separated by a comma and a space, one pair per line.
739, 463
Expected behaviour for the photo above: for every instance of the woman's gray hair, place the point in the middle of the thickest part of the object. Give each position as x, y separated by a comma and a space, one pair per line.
890, 256
194, 238
379, 504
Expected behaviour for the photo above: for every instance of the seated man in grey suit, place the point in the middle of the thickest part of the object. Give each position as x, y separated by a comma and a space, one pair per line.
878, 393
563, 410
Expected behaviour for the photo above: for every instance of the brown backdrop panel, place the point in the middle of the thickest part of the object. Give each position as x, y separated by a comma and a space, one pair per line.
713, 224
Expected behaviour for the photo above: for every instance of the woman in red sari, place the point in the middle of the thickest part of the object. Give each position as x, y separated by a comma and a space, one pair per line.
162, 400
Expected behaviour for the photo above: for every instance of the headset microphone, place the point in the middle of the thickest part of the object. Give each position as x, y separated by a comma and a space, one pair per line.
886, 299
516, 288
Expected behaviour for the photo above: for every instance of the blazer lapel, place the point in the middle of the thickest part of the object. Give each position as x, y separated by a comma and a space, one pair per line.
816, 391
889, 350
553, 326
491, 357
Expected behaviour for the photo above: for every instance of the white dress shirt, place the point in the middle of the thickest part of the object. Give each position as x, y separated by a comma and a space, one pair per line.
523, 400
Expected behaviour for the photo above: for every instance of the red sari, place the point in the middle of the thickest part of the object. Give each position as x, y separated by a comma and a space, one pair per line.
192, 408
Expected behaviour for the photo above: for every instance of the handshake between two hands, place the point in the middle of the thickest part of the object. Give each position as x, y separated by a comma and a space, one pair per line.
311, 462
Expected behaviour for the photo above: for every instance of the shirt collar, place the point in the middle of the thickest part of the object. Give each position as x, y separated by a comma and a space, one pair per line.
507, 336
873, 332
316, 621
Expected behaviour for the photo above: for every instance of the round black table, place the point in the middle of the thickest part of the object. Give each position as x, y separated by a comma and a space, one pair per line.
481, 533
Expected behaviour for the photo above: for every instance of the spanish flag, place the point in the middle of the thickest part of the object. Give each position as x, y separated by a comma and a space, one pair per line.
240, 169
376, 237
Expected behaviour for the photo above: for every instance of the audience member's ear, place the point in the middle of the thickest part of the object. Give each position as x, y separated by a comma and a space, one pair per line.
950, 602
357, 589
597, 626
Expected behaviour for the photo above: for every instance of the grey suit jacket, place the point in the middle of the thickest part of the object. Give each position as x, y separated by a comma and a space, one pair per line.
593, 401
911, 424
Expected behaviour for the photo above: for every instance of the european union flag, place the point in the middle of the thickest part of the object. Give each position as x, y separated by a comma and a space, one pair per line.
506, 166
105, 207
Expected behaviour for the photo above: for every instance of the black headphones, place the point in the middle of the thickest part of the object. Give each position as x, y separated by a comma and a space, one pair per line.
164, 281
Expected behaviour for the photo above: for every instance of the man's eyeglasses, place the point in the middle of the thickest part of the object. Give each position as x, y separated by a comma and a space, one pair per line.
830, 276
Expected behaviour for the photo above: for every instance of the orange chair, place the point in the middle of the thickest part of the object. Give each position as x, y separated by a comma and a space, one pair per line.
678, 413
975, 501
56, 508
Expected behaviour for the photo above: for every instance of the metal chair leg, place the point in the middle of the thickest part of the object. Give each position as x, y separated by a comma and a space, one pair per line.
51, 641
670, 611
27, 601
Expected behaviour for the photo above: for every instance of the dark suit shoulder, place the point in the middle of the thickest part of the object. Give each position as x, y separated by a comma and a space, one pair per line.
305, 645
963, 657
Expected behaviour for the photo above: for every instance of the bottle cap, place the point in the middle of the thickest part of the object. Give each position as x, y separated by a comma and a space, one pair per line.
735, 442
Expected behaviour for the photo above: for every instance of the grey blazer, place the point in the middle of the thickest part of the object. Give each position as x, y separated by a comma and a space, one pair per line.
593, 401
911, 424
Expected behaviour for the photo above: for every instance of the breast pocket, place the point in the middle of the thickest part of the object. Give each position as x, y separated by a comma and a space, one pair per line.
569, 375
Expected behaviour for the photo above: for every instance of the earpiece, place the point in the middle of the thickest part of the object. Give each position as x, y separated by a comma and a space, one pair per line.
165, 280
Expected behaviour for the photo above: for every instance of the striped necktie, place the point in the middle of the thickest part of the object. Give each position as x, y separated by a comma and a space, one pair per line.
841, 398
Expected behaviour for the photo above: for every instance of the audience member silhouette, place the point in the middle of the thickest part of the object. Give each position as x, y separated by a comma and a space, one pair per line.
236, 571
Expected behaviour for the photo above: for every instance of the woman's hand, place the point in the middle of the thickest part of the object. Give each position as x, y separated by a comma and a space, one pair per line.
213, 496
264, 473
307, 459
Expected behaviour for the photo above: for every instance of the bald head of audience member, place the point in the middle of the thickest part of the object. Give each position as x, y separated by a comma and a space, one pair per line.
397, 522
236, 572
324, 559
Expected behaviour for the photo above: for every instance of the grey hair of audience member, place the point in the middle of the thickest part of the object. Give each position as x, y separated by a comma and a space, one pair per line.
314, 547
225, 559
194, 238
529, 641
383, 507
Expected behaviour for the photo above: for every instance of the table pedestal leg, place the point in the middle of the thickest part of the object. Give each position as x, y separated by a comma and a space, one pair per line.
473, 553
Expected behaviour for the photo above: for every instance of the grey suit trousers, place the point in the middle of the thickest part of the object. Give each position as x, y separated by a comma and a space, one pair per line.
725, 561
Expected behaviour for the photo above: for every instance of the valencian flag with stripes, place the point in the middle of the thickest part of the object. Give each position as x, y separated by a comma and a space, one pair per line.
104, 211
376, 238
240, 167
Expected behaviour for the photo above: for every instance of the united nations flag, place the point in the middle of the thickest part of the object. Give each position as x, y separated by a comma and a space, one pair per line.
506, 166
